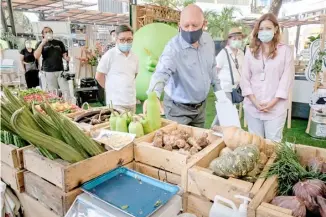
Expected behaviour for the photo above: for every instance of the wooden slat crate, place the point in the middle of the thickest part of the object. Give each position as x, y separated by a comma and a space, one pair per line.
48, 194
12, 177
69, 176
12, 155
200, 206
173, 162
265, 208
202, 182
33, 208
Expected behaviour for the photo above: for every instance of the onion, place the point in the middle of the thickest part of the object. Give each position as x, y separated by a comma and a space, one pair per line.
322, 206
292, 203
308, 191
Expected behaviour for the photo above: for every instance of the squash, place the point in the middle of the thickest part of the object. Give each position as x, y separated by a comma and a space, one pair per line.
135, 127
235, 137
153, 111
113, 121
237, 163
121, 125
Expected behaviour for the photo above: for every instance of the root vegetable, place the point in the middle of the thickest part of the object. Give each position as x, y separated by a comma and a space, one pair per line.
158, 139
192, 142
168, 147
322, 206
292, 203
308, 191
317, 164
180, 143
203, 140
169, 140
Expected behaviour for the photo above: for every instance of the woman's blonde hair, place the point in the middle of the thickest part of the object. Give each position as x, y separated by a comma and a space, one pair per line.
255, 42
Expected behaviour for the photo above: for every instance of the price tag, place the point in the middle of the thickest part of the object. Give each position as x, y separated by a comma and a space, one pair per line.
321, 130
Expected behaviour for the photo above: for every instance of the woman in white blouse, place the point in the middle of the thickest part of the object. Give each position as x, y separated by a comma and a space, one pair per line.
229, 60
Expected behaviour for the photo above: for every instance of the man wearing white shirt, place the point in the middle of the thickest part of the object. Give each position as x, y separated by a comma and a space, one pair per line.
117, 71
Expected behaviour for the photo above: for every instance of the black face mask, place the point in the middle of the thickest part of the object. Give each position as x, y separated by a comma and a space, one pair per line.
191, 37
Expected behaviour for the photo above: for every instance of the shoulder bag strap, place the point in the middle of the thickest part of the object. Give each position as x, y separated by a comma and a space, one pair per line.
230, 66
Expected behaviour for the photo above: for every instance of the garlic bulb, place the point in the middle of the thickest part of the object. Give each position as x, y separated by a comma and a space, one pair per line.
292, 203
308, 191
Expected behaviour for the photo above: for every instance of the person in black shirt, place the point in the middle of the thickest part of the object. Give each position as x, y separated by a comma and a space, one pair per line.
52, 51
29, 65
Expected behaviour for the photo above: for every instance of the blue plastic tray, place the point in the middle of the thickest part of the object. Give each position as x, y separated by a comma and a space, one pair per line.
131, 192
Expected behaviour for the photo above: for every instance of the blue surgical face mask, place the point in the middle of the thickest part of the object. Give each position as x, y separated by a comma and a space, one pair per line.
125, 47
266, 36
236, 44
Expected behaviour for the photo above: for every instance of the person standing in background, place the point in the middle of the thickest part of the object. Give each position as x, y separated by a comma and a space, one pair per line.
29, 65
267, 78
229, 62
117, 71
52, 72
113, 41
186, 71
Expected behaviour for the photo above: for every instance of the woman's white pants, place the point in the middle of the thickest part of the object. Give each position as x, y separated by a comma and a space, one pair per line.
269, 129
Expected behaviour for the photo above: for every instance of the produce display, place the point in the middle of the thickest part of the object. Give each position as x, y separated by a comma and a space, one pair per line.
300, 189
180, 141
244, 162
94, 117
10, 138
234, 137
51, 132
37, 97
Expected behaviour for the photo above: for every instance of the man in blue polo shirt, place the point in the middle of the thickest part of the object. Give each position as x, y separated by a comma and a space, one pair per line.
187, 70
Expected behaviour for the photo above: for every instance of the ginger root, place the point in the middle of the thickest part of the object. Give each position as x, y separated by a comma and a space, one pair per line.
158, 139
168, 147
192, 142
180, 143
194, 150
203, 141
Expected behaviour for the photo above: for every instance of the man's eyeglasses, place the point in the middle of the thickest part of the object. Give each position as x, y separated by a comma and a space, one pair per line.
123, 40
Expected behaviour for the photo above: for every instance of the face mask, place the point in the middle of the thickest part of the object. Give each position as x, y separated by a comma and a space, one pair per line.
266, 35
191, 37
125, 47
28, 45
236, 44
49, 36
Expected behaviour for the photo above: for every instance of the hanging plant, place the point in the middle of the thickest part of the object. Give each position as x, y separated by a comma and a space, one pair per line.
318, 64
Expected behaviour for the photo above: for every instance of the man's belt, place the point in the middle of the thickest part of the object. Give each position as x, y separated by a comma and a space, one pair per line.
190, 105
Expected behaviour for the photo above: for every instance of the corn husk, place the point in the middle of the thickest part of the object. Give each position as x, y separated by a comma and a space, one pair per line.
308, 191
292, 203
322, 206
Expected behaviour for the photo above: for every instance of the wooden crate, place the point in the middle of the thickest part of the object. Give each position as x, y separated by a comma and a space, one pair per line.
33, 208
202, 182
200, 206
12, 155
69, 176
12, 177
173, 162
48, 194
157, 173
265, 208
